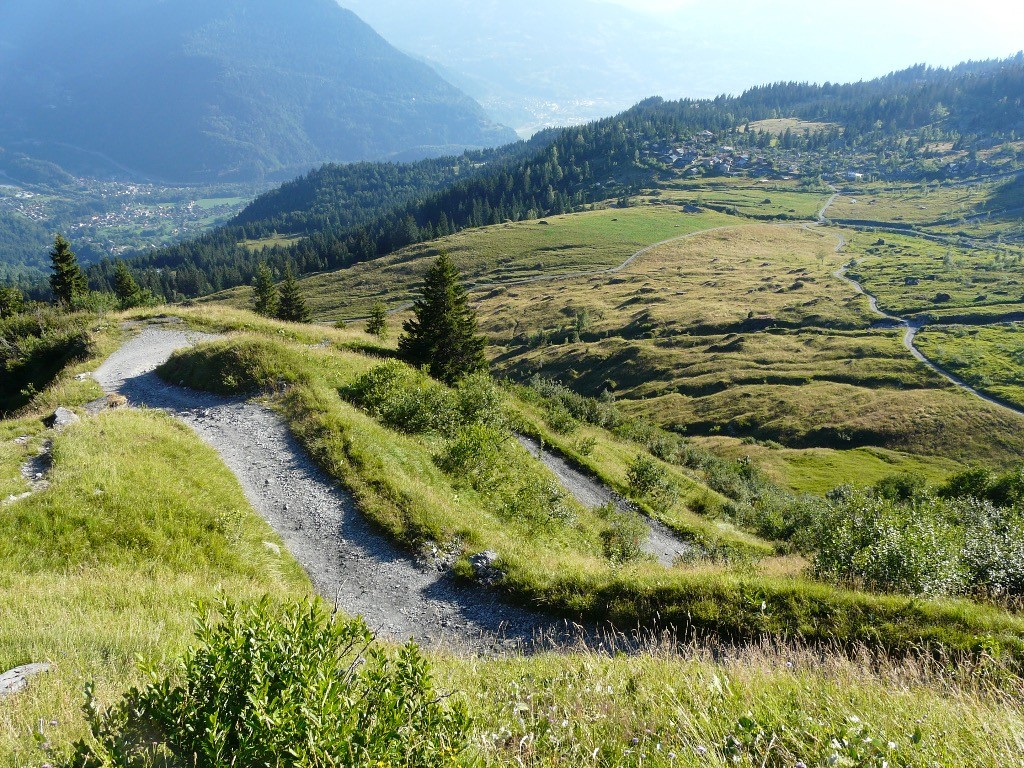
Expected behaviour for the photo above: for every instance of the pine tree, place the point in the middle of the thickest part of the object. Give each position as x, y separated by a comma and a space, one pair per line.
12, 302
443, 330
377, 323
264, 292
128, 292
67, 281
291, 306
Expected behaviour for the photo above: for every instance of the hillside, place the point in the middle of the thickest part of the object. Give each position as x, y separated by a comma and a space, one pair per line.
142, 552
889, 128
226, 90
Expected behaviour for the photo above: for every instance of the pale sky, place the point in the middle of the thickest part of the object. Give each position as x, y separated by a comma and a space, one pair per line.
894, 32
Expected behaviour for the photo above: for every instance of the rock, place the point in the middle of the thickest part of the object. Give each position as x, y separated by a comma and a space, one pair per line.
106, 403
272, 547
485, 567
61, 419
17, 679
83, 377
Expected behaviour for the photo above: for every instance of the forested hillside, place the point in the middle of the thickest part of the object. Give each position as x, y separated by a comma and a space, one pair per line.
884, 126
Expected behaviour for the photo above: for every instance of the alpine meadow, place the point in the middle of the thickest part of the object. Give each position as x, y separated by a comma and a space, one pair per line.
691, 435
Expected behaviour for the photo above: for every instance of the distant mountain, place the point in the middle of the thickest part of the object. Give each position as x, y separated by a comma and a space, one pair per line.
201, 90
347, 215
537, 63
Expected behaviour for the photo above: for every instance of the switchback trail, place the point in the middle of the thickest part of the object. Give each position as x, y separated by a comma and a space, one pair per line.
661, 543
348, 561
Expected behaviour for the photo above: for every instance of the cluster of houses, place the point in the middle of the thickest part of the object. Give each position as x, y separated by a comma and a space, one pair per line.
704, 156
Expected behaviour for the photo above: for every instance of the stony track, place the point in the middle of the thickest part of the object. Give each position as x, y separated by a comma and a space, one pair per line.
347, 559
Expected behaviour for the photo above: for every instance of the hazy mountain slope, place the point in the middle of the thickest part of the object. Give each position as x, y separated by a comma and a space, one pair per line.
542, 63
200, 89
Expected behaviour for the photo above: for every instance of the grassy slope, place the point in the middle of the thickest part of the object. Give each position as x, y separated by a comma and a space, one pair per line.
397, 485
104, 565
588, 241
990, 358
94, 612
679, 332
755, 707
675, 335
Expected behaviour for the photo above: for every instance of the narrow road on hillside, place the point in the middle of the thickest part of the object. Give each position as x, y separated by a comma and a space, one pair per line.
912, 327
661, 543
348, 561
481, 287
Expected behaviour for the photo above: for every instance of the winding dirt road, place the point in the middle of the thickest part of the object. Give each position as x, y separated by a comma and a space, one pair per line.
912, 327
348, 561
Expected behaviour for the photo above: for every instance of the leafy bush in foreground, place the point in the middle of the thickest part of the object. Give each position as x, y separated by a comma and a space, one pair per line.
291, 688
928, 546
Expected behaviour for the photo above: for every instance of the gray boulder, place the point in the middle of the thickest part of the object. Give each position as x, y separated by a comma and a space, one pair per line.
61, 419
485, 567
16, 680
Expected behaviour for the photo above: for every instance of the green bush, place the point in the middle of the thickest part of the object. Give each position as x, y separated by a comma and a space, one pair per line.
902, 486
474, 457
34, 349
405, 399
408, 400
624, 534
645, 476
294, 687
889, 546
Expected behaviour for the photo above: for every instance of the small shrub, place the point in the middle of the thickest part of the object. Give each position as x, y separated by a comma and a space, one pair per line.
585, 445
405, 399
474, 457
645, 476
285, 688
624, 534
903, 486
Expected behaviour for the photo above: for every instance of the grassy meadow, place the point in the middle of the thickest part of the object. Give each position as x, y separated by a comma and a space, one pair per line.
104, 567
990, 358
506, 253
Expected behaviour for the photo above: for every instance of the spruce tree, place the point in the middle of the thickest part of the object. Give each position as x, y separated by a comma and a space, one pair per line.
67, 281
291, 306
377, 323
443, 330
264, 292
128, 292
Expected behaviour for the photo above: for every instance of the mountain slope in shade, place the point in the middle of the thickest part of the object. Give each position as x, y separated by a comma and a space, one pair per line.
194, 90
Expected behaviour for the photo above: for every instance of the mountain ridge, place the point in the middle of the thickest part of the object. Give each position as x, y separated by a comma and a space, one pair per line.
195, 91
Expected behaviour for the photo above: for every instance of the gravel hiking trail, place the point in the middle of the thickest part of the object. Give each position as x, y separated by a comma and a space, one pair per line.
661, 543
349, 562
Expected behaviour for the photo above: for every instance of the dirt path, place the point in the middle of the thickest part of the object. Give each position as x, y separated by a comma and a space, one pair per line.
661, 543
912, 327
347, 560
481, 287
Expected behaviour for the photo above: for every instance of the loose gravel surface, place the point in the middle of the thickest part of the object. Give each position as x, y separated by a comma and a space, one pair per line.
348, 561
661, 543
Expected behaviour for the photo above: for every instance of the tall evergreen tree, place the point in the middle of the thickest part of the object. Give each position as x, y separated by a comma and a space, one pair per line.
377, 323
443, 330
264, 292
128, 292
291, 306
67, 281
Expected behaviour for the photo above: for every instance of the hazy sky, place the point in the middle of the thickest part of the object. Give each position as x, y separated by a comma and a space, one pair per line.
859, 38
